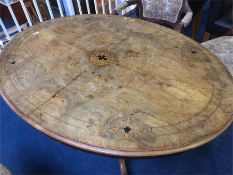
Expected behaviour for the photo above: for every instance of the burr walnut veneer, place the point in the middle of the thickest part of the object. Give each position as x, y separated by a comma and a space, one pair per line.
116, 85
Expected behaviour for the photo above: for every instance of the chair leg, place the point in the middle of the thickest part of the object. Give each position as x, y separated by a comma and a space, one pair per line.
196, 23
43, 12
30, 9
230, 32
206, 36
123, 167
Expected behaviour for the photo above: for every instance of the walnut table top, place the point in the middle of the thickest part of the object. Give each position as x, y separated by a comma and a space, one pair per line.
223, 48
116, 85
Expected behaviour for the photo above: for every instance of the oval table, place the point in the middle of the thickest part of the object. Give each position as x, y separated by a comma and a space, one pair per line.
116, 86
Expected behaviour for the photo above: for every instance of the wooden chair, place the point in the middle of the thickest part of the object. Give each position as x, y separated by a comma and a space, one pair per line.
32, 13
43, 10
99, 6
174, 14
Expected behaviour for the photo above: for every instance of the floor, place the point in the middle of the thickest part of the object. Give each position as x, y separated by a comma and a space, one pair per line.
24, 150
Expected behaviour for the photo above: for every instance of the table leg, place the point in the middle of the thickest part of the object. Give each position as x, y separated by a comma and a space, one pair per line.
123, 167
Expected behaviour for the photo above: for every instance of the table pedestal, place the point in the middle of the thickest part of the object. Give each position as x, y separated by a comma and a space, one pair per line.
123, 167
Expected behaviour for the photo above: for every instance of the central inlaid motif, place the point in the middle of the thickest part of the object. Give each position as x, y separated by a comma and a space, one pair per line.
102, 57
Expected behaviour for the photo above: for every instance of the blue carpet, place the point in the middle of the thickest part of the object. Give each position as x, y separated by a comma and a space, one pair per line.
24, 150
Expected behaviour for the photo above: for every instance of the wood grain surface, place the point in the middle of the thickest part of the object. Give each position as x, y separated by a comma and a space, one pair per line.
116, 85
